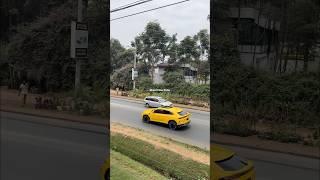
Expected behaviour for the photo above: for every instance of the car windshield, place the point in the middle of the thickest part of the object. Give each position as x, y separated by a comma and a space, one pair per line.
182, 113
162, 100
233, 163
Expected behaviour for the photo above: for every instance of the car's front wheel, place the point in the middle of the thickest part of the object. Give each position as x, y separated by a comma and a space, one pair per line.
172, 125
147, 105
146, 119
107, 175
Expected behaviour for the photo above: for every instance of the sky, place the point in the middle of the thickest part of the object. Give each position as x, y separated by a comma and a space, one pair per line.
185, 19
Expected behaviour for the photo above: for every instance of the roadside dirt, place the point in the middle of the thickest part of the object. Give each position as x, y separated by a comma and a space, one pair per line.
161, 142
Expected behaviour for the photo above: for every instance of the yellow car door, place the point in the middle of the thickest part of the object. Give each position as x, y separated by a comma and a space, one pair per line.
167, 116
158, 116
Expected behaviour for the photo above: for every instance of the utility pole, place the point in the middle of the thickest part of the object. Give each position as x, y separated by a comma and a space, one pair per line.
78, 60
134, 67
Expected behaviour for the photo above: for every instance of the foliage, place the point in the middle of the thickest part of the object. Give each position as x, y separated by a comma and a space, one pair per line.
173, 77
283, 135
122, 78
170, 164
144, 83
41, 50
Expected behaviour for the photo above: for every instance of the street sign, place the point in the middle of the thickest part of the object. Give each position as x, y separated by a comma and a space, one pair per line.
134, 74
79, 40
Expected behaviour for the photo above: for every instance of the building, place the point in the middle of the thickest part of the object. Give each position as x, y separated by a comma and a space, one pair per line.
256, 35
190, 73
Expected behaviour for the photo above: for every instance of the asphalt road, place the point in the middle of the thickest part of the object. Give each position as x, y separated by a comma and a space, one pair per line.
129, 113
280, 166
269, 165
34, 148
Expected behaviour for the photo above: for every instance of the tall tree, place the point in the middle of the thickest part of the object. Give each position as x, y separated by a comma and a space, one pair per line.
152, 44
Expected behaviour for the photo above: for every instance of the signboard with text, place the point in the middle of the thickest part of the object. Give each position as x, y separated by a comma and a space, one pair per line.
134, 73
79, 40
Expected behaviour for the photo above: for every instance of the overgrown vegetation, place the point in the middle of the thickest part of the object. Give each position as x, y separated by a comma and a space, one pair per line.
153, 46
125, 168
166, 162
243, 96
40, 50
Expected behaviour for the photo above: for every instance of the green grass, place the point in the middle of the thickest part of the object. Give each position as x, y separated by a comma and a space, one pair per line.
169, 164
122, 167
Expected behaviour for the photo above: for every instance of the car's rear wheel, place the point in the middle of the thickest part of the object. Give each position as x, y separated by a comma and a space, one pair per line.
107, 175
172, 125
146, 119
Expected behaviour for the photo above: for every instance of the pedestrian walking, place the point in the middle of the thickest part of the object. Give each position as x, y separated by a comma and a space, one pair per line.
23, 90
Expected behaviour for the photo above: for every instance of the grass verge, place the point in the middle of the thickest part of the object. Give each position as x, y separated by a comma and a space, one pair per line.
125, 168
168, 163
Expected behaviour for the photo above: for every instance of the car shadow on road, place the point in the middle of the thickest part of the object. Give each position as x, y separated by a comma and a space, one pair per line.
184, 128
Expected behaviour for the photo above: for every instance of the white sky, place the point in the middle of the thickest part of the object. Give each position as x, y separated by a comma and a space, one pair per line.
185, 19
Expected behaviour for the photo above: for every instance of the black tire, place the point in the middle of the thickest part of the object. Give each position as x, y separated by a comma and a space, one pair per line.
146, 118
147, 105
107, 175
172, 125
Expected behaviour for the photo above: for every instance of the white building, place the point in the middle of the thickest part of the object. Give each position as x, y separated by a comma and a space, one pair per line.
190, 73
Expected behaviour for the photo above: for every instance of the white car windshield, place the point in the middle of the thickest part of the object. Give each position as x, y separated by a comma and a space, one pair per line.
162, 100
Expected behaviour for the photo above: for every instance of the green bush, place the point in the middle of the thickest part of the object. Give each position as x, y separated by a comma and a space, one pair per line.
168, 163
281, 135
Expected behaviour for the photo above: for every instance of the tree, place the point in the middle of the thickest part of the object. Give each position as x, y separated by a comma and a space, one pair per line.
119, 55
188, 50
122, 78
152, 45
303, 27
173, 77
41, 50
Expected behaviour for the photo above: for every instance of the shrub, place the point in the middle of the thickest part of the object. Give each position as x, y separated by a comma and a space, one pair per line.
166, 162
282, 135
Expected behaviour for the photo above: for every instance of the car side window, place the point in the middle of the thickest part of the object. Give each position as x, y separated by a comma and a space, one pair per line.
158, 111
156, 100
166, 112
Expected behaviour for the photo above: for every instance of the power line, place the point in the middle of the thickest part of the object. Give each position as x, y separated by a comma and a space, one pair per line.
130, 5
149, 10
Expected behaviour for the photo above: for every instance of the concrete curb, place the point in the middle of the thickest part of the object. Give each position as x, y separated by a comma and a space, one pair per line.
177, 105
214, 141
54, 117
265, 149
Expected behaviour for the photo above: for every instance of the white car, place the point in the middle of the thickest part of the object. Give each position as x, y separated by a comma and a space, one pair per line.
155, 101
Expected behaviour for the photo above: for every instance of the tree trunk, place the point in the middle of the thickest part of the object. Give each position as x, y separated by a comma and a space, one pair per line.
284, 30
256, 35
238, 23
306, 59
286, 60
296, 59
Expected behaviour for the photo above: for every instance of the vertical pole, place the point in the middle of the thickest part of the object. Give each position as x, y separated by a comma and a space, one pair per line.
78, 61
134, 67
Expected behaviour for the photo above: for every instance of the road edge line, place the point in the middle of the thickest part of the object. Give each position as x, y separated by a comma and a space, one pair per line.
269, 150
53, 117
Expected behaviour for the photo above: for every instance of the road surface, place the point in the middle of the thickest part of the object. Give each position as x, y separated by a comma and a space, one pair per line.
269, 165
129, 113
34, 148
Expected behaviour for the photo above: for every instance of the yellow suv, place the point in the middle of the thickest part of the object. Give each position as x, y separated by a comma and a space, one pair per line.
226, 165
172, 116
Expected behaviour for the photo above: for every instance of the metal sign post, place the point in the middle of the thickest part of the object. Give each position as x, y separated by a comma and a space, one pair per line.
134, 72
79, 43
